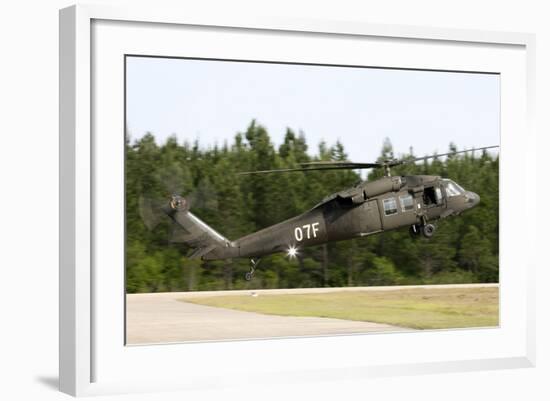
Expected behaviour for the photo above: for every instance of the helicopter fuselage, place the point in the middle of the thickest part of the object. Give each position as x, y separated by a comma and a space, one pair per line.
369, 208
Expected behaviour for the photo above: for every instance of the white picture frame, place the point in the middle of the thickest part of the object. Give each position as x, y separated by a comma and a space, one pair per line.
93, 358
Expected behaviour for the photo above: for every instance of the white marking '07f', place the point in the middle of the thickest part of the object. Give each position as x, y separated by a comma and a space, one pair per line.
310, 231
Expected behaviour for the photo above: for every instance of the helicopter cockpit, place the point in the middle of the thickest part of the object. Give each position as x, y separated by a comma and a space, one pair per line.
452, 188
433, 195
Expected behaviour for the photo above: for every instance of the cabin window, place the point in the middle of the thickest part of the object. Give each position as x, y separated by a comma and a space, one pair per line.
390, 206
406, 202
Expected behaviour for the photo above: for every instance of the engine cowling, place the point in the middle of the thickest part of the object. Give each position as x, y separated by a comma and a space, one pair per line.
383, 185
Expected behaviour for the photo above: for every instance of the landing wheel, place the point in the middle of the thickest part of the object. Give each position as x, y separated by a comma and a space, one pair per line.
428, 230
248, 276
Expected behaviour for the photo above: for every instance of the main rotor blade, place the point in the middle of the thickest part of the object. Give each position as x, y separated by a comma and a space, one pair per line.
345, 165
348, 164
416, 159
291, 170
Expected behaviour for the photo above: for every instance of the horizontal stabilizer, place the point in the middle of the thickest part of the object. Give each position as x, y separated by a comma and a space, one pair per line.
200, 252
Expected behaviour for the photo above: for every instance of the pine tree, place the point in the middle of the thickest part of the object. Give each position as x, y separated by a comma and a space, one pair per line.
464, 249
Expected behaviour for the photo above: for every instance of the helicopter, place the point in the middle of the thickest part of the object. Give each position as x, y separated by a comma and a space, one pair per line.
368, 208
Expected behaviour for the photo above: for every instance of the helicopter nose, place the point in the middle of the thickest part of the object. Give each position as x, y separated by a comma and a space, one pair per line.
473, 199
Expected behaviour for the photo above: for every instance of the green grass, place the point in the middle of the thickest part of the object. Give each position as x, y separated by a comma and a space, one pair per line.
418, 308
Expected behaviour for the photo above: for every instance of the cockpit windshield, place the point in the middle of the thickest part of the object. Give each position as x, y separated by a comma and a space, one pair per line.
452, 188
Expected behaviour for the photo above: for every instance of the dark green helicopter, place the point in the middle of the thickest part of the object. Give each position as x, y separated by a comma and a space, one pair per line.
370, 207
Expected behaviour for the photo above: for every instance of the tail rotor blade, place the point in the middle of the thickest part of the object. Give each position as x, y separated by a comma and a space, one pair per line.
151, 212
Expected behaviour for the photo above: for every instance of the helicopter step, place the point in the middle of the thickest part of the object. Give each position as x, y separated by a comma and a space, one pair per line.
253, 265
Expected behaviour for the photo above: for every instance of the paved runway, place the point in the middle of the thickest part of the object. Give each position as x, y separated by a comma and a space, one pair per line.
164, 318
161, 318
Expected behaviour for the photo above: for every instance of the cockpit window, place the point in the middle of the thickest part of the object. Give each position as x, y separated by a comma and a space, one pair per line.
438, 196
452, 188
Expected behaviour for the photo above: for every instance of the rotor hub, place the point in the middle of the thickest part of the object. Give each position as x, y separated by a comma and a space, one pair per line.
178, 203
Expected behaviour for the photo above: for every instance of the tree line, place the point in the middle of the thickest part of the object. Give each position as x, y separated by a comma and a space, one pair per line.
463, 250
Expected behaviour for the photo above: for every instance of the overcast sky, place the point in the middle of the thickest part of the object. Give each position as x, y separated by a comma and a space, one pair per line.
213, 100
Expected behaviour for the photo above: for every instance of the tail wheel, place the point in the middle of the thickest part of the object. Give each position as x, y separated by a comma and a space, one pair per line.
428, 230
253, 265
